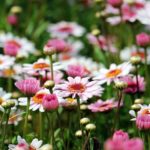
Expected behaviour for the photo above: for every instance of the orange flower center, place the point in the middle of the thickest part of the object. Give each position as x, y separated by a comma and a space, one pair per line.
31, 148
40, 66
140, 54
146, 112
113, 73
9, 72
1, 62
77, 87
1, 100
38, 98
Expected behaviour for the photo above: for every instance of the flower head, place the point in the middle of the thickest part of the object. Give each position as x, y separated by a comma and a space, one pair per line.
143, 39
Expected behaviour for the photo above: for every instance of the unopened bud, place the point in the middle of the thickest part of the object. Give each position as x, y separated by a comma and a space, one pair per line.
49, 50
135, 107
78, 133
139, 101
95, 32
120, 85
135, 60
46, 147
83, 107
49, 84
90, 126
16, 9
84, 121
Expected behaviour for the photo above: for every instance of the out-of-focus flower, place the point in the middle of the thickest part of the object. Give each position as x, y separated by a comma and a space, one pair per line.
16, 46
6, 62
132, 84
23, 145
115, 3
15, 117
103, 106
120, 136
28, 86
16, 9
143, 39
113, 73
133, 144
78, 87
50, 102
63, 29
90, 127
12, 19
75, 70
143, 118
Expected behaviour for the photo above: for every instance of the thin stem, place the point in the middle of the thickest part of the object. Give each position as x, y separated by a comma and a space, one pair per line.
5, 127
3, 115
137, 81
78, 109
9, 84
26, 117
41, 124
51, 65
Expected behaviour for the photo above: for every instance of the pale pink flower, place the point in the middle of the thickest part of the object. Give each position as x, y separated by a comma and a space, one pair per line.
76, 70
113, 73
143, 118
120, 136
115, 3
28, 86
102, 106
78, 86
58, 45
50, 102
134, 144
132, 86
143, 39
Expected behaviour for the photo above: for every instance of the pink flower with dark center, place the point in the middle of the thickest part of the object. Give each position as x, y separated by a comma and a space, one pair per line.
143, 118
143, 39
133, 144
11, 48
76, 70
50, 102
28, 86
132, 86
57, 45
12, 19
115, 3
120, 136
102, 106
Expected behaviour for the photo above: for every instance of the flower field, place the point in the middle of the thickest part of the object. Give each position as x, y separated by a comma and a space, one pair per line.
75, 75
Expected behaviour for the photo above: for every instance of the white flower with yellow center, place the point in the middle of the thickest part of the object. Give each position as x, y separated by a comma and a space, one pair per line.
113, 73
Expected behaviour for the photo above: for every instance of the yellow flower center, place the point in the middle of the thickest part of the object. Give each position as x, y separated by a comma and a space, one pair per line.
77, 87
1, 100
71, 100
146, 112
9, 72
1, 62
113, 73
38, 98
40, 65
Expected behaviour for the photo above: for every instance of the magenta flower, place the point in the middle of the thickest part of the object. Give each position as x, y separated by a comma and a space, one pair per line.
115, 3
132, 84
11, 48
28, 86
50, 102
57, 45
142, 39
75, 70
120, 136
102, 106
133, 144
12, 19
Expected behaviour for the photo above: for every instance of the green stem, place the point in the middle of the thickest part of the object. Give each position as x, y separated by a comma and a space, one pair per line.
26, 117
51, 65
9, 84
137, 81
5, 128
78, 109
41, 125
3, 115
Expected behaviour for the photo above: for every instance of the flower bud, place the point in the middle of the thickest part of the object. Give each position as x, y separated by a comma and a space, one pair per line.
135, 107
120, 85
84, 121
5, 105
95, 32
139, 101
16, 9
15, 95
143, 39
78, 133
98, 14
49, 50
46, 147
83, 107
135, 60
11, 103
90, 127
49, 84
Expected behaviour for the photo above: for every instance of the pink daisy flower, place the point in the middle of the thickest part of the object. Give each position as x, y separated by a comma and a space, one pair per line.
78, 86
102, 106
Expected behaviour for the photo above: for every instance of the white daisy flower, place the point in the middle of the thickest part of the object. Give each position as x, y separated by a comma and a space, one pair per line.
20, 46
6, 62
63, 29
78, 86
113, 73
